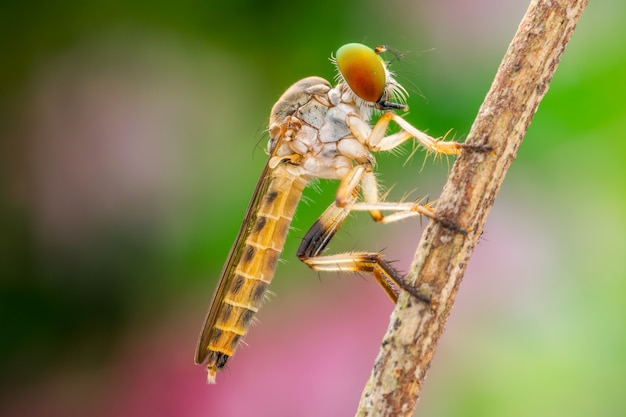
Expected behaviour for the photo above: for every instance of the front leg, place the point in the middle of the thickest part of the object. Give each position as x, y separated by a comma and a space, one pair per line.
377, 140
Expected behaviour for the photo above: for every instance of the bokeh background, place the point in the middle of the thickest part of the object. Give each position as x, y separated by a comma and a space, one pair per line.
132, 136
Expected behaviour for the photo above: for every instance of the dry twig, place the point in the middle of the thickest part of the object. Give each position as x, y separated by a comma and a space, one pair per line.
442, 256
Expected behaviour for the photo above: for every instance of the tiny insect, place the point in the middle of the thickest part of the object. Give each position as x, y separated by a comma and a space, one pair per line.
316, 131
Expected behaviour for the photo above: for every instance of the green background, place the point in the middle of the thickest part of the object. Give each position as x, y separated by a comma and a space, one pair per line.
131, 138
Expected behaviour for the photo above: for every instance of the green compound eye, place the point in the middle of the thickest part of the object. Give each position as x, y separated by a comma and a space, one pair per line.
363, 70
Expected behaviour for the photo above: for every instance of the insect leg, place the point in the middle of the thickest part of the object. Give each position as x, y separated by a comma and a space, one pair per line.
363, 175
377, 140
319, 235
371, 201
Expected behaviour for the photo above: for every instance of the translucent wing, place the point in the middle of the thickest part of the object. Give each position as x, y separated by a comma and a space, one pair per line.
234, 256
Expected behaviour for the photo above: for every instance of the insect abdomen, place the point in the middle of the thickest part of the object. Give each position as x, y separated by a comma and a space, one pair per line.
255, 269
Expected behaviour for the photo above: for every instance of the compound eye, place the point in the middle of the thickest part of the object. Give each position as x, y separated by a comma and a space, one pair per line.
363, 70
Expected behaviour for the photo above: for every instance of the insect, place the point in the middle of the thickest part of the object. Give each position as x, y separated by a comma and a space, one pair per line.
316, 131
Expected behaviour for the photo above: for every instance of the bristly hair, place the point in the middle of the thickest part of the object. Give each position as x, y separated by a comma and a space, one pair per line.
394, 91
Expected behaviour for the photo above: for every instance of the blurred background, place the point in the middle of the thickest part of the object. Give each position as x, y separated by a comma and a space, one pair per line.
131, 139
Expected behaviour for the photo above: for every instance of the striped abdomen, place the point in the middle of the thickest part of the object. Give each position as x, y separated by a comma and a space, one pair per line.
251, 267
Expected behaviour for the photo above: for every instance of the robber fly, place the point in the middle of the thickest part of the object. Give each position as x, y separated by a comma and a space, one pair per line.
316, 131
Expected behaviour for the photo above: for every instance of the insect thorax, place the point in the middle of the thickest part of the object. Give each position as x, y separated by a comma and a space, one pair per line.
310, 126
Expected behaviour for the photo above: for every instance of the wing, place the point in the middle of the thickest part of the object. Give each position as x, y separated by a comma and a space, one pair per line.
231, 263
